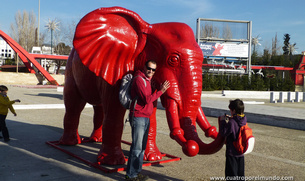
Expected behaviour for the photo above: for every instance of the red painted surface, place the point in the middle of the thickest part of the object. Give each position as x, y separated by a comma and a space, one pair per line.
109, 169
51, 57
299, 72
254, 67
27, 58
111, 42
14, 46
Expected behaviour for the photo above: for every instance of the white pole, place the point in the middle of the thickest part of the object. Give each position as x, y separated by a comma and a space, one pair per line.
249, 48
17, 63
38, 22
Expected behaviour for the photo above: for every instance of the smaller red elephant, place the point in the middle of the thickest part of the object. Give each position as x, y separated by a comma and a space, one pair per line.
108, 44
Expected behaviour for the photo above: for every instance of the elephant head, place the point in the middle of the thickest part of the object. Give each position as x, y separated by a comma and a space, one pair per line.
114, 41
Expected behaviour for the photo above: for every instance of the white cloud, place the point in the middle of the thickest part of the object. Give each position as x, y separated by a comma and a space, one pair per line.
195, 7
297, 22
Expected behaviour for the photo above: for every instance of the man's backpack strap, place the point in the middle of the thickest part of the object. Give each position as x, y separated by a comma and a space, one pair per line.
142, 79
136, 98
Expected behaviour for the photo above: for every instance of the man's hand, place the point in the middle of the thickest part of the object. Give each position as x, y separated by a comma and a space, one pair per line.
17, 100
165, 86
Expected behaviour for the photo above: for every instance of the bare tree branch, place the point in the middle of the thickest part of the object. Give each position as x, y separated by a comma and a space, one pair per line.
23, 30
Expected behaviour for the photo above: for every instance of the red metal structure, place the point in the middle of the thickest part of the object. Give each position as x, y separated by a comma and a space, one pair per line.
299, 71
30, 58
52, 57
254, 67
111, 168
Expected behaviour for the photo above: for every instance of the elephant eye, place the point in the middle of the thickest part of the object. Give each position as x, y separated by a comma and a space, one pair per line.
173, 60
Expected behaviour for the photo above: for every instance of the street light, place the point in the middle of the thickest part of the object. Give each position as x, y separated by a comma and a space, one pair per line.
52, 25
38, 22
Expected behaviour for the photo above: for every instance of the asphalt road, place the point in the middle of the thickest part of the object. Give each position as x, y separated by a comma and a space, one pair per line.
279, 153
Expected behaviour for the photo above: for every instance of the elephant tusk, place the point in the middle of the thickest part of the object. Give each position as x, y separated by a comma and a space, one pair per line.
210, 131
213, 147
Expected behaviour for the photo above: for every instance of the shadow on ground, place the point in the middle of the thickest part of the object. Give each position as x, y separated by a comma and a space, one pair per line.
28, 152
57, 96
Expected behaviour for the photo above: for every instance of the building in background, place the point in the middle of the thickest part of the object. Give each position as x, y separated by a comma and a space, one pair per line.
6, 52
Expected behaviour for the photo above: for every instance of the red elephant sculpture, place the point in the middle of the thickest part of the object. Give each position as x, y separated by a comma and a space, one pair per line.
111, 42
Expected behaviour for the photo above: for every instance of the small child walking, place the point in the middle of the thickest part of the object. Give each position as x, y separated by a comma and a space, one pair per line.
5, 104
229, 128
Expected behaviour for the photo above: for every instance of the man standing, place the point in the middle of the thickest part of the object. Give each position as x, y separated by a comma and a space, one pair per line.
141, 88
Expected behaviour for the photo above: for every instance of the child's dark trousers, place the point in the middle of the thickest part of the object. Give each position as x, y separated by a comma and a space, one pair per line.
235, 167
3, 127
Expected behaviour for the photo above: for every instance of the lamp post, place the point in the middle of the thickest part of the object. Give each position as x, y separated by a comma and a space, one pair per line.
38, 22
52, 26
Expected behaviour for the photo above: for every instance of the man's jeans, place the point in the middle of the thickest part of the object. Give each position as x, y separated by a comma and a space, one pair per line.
139, 128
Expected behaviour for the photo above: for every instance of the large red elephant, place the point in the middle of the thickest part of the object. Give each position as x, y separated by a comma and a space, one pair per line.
111, 42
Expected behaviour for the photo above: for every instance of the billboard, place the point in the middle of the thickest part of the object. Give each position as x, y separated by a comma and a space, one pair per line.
225, 49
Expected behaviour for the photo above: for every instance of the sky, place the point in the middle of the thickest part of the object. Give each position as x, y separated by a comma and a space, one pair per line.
269, 17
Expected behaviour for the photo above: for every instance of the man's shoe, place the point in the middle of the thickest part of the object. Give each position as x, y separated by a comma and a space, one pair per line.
1, 137
131, 179
7, 139
142, 177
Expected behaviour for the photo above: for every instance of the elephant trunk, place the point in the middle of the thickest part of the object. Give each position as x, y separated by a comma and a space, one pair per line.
182, 113
186, 134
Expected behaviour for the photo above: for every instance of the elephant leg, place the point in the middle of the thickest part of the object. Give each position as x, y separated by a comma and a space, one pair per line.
74, 105
96, 135
152, 152
111, 151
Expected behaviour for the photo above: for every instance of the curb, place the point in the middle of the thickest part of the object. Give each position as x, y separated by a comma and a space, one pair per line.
284, 122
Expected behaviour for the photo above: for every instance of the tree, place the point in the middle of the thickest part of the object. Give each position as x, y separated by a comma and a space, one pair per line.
235, 83
69, 30
227, 33
24, 29
209, 31
275, 47
286, 44
266, 57
61, 49
207, 82
288, 48
65, 33
254, 58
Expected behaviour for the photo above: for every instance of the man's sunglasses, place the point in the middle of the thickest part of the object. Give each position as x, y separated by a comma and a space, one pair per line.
149, 68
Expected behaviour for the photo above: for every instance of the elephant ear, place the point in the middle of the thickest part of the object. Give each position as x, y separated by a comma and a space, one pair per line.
108, 40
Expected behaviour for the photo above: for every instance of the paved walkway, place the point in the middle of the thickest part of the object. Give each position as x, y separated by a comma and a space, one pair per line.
278, 151
287, 115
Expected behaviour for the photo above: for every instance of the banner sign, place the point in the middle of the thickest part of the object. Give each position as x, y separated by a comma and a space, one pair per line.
224, 49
